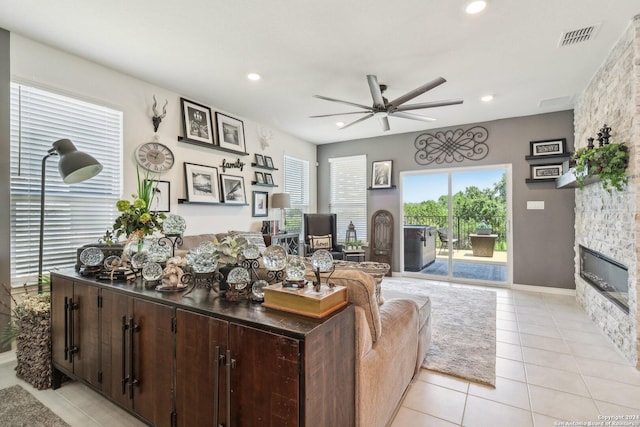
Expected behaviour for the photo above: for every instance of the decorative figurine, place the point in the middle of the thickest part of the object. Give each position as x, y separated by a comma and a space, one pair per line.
157, 118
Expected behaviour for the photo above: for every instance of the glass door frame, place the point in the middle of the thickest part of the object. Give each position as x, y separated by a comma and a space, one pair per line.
509, 221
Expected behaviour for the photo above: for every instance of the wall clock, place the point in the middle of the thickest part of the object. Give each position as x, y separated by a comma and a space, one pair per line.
154, 156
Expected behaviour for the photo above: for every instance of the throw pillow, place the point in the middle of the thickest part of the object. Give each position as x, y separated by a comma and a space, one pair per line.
320, 242
255, 238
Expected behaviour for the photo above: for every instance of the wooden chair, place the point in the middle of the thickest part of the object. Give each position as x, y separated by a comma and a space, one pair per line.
382, 237
443, 235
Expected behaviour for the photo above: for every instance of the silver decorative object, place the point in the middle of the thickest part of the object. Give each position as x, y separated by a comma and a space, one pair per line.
251, 252
113, 261
239, 277
152, 272
139, 260
257, 289
206, 247
202, 262
452, 146
174, 225
91, 256
275, 258
295, 269
158, 252
321, 261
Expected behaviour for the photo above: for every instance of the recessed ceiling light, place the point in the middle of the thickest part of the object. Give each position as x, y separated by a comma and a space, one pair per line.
476, 6
253, 76
340, 124
487, 98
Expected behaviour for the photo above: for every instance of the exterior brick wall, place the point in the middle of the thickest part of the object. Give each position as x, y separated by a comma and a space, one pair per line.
610, 223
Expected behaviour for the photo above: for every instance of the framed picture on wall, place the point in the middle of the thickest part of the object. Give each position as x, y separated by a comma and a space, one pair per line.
196, 122
161, 191
259, 160
548, 147
381, 174
268, 178
202, 183
260, 203
268, 162
233, 189
259, 177
230, 133
550, 172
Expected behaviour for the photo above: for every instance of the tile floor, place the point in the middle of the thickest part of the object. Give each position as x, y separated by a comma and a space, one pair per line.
552, 365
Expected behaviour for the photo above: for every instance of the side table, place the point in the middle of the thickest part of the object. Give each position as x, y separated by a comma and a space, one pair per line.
356, 255
289, 241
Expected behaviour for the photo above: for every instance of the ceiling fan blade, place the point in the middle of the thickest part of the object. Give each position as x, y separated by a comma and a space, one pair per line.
343, 102
376, 93
411, 116
358, 121
419, 91
338, 114
384, 122
428, 105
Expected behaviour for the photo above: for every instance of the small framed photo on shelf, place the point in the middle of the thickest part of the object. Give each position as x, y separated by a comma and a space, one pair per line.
268, 162
230, 133
546, 171
161, 191
381, 174
268, 178
233, 189
259, 159
202, 183
196, 122
548, 147
260, 204
259, 177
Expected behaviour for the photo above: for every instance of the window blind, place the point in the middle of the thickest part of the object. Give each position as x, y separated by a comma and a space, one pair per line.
296, 183
348, 194
75, 214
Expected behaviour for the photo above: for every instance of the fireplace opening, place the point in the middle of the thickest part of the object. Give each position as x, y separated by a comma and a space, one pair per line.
606, 275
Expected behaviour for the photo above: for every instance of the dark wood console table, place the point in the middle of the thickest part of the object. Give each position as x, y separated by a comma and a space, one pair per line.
201, 360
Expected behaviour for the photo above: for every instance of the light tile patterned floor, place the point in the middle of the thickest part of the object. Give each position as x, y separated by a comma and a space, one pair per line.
552, 365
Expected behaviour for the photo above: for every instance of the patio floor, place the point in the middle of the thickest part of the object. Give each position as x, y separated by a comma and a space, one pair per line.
467, 266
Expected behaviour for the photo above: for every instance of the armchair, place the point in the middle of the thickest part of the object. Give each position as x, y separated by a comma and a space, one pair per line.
321, 225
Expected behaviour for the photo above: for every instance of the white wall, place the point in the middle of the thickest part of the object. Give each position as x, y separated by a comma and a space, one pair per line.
42, 66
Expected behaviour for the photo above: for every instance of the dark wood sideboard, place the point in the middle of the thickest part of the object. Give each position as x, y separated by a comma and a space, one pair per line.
201, 360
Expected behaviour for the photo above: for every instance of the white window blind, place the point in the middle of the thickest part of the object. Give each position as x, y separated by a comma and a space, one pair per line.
348, 194
75, 214
296, 183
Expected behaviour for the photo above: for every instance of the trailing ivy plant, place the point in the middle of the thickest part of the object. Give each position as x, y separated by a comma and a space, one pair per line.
608, 162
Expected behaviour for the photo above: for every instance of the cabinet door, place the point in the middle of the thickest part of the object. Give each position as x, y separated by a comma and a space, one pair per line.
201, 342
116, 312
86, 342
265, 378
152, 356
61, 292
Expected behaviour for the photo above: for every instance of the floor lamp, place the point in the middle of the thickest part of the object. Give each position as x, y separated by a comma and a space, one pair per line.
74, 166
281, 201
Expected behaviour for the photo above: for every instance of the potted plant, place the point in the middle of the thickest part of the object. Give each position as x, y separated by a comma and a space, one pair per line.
483, 228
609, 162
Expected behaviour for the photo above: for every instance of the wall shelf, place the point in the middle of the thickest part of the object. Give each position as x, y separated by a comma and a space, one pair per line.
188, 202
552, 156
386, 188
259, 184
534, 181
211, 146
255, 165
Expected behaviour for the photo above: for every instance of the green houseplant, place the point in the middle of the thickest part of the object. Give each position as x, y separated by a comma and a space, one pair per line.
609, 162
483, 228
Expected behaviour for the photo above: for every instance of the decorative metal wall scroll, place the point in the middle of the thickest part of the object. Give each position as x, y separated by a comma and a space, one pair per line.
452, 146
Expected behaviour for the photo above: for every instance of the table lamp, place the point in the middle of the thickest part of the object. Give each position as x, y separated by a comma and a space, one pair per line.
281, 201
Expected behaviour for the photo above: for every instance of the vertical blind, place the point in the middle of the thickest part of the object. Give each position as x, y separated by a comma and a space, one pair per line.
296, 183
348, 194
75, 214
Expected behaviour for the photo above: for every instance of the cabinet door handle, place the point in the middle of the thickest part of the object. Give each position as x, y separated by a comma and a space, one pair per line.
133, 380
216, 385
125, 379
66, 328
72, 335
228, 364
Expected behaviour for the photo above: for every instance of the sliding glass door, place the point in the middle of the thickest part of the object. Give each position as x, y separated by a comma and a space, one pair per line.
456, 224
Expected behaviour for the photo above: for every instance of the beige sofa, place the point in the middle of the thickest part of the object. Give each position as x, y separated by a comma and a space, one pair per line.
392, 337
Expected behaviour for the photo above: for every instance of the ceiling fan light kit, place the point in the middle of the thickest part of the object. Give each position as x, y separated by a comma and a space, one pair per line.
383, 108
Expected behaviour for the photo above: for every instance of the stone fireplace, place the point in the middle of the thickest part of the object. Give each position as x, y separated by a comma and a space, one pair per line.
608, 224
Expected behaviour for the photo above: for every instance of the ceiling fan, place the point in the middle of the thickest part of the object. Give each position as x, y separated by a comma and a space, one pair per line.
383, 108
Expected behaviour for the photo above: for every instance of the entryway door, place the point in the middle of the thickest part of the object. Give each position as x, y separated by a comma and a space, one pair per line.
457, 224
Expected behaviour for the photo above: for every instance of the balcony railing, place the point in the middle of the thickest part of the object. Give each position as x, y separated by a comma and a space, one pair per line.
462, 228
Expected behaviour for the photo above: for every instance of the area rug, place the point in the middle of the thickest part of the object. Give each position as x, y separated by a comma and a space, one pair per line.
18, 407
463, 342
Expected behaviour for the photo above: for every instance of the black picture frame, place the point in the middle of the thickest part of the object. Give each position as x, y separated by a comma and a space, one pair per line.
202, 183
260, 178
268, 178
197, 125
161, 201
548, 147
546, 172
233, 191
381, 173
268, 162
230, 133
259, 159
260, 204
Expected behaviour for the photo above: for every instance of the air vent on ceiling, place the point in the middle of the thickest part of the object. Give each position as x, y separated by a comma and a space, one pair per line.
580, 35
563, 101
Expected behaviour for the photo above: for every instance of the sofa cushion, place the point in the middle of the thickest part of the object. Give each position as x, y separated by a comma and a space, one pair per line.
320, 242
253, 237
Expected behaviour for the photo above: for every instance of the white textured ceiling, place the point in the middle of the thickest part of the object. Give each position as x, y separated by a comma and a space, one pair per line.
203, 49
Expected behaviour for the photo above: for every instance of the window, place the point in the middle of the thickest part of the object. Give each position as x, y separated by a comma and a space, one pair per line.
296, 183
75, 214
348, 198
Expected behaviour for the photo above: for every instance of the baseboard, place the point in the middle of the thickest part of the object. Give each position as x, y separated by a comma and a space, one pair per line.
544, 289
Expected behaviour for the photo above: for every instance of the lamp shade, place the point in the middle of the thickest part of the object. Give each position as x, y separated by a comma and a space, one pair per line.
280, 200
75, 166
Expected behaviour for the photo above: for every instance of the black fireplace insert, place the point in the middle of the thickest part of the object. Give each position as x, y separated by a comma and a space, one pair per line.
606, 275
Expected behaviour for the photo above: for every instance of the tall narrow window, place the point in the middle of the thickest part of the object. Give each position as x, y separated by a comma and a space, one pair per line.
74, 214
296, 183
348, 180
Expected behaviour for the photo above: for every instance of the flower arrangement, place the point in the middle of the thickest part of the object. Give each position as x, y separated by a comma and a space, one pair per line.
229, 249
136, 220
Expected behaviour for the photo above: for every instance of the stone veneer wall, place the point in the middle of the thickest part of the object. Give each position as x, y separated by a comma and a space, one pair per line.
610, 223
